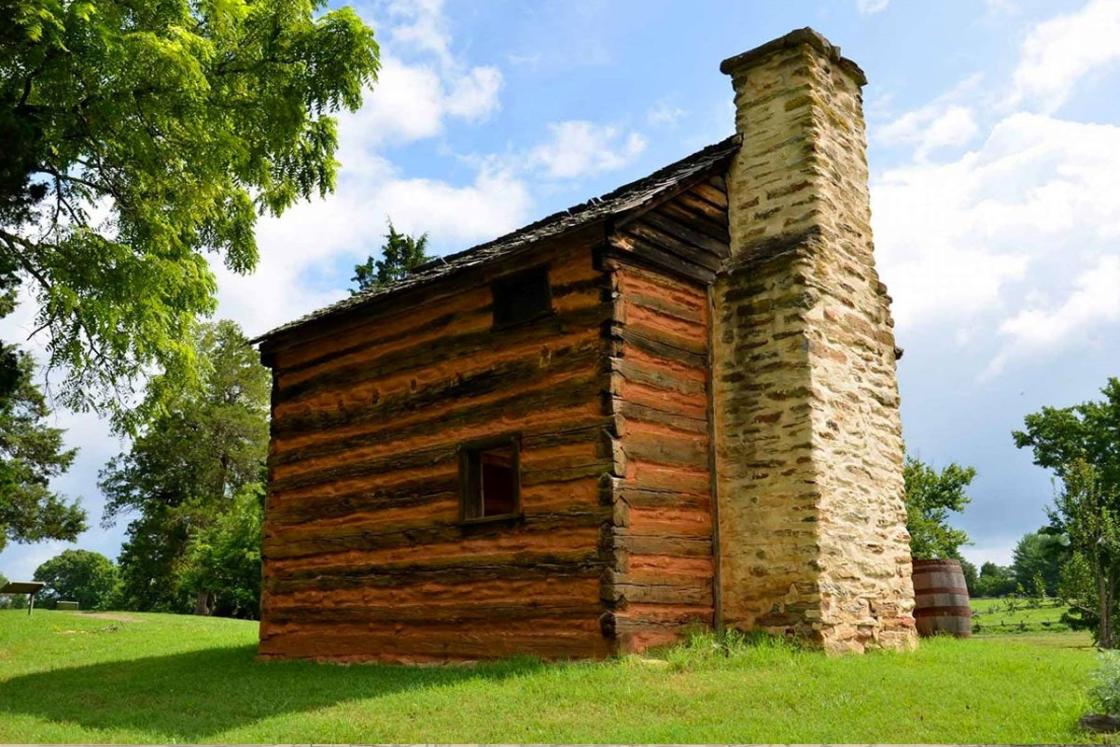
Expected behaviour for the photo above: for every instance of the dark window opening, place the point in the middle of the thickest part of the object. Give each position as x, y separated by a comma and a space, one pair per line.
491, 481
522, 297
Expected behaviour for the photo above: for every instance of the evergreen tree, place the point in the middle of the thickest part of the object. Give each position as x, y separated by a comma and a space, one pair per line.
31, 453
198, 447
400, 255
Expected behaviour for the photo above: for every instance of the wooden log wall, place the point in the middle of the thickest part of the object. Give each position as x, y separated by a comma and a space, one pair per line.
364, 555
661, 580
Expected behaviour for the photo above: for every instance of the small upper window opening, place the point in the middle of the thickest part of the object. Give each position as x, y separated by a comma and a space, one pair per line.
491, 480
522, 297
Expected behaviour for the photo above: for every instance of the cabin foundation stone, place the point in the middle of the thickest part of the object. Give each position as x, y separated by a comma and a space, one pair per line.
808, 439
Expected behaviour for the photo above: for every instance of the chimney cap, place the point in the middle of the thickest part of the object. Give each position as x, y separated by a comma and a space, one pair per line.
793, 39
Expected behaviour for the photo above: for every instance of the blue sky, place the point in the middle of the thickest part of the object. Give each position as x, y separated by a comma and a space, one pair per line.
994, 136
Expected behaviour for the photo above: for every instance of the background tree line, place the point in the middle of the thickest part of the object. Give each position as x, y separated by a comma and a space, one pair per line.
1075, 556
192, 482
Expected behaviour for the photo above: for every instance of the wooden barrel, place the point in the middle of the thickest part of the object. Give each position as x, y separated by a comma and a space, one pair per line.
941, 598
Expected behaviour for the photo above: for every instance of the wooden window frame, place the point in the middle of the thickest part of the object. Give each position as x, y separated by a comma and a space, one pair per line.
500, 283
467, 452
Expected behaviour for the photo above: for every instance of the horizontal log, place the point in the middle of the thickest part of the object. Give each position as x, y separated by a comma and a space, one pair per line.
404, 647
638, 497
378, 576
308, 541
714, 227
467, 345
685, 233
428, 457
552, 395
664, 447
693, 201
568, 258
651, 236
413, 493
540, 589
667, 305
649, 414
620, 588
711, 193
428, 328
686, 547
632, 249
663, 346
648, 375
437, 614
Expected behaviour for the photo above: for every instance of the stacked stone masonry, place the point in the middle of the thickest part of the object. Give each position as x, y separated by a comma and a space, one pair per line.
809, 444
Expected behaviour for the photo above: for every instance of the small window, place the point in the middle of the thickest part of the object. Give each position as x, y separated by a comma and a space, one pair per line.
491, 480
522, 297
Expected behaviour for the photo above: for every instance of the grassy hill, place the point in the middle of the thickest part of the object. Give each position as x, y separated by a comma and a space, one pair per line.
76, 677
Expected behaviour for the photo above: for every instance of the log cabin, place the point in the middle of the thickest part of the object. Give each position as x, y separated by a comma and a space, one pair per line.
671, 407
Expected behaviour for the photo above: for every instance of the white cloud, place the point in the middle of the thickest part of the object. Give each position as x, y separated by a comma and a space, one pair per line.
474, 96
580, 148
413, 102
953, 237
1059, 52
421, 24
932, 127
870, 7
1093, 302
947, 121
664, 114
306, 253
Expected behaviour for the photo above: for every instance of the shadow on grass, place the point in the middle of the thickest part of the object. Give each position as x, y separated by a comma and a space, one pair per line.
189, 696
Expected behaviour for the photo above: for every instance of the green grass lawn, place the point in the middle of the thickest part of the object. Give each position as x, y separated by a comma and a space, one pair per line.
993, 616
75, 677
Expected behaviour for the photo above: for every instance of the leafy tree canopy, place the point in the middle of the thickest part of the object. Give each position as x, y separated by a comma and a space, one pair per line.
140, 136
995, 580
1038, 554
400, 255
85, 577
1081, 444
189, 460
223, 560
930, 497
31, 453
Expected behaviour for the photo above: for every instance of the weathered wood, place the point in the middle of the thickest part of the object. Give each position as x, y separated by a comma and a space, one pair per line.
462, 346
554, 393
404, 576
365, 553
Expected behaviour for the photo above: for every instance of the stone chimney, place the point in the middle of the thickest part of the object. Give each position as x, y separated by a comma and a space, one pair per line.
812, 525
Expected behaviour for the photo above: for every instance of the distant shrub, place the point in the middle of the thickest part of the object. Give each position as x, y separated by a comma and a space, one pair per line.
1105, 692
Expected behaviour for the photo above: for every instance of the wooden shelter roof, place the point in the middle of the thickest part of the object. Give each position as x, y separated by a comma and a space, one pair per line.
643, 192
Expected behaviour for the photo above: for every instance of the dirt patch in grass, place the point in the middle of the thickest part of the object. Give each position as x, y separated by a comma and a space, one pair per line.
123, 617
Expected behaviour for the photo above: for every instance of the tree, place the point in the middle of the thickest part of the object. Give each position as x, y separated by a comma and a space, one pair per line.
930, 496
31, 453
1038, 555
1086, 511
140, 137
1081, 444
971, 577
85, 577
995, 581
223, 561
190, 458
400, 255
